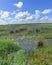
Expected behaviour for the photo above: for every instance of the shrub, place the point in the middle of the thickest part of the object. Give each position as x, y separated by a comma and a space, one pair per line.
17, 31
11, 32
7, 46
41, 41
37, 30
22, 29
40, 44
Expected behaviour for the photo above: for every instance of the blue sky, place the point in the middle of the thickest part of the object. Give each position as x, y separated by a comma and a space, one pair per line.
25, 11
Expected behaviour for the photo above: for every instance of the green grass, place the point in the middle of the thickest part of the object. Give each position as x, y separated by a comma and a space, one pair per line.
11, 53
41, 56
30, 29
33, 24
7, 46
48, 36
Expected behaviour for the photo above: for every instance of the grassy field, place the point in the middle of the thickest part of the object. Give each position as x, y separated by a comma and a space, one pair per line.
18, 44
42, 56
15, 30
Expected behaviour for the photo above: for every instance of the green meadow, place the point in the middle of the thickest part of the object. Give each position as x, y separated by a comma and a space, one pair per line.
26, 44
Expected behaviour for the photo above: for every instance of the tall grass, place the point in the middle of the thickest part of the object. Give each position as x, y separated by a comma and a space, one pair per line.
7, 46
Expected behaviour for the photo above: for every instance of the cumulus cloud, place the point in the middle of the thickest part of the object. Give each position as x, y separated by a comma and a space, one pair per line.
37, 14
22, 15
46, 11
18, 17
19, 4
30, 17
1, 12
44, 18
5, 14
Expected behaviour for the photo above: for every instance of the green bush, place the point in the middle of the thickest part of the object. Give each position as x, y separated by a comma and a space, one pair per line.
7, 46
11, 32
41, 41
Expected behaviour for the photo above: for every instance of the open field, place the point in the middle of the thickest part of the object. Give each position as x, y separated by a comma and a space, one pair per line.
26, 44
26, 30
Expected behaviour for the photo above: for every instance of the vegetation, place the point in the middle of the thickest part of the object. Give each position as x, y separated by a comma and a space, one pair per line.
41, 56
26, 44
7, 46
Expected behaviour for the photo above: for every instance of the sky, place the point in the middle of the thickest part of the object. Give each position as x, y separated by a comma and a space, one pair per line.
25, 11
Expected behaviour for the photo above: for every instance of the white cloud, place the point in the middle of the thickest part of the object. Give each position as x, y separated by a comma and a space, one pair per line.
46, 11
30, 17
37, 12
1, 12
22, 15
19, 4
44, 18
37, 17
4, 14
17, 17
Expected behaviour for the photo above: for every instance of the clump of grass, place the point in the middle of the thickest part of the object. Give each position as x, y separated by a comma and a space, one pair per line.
48, 36
41, 41
7, 46
37, 30
11, 32
40, 44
